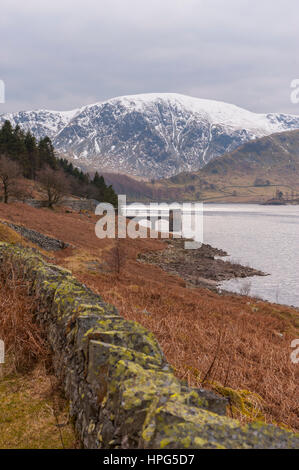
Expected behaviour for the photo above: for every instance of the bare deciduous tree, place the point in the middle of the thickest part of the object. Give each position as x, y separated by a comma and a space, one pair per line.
9, 174
22, 190
55, 185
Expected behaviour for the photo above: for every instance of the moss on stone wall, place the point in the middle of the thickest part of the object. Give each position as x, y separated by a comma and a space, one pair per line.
122, 392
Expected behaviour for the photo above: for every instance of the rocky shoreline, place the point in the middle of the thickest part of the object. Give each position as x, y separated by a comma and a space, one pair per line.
201, 268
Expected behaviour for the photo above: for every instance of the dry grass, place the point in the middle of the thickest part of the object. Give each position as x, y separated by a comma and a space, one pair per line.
237, 345
33, 412
24, 340
9, 235
220, 342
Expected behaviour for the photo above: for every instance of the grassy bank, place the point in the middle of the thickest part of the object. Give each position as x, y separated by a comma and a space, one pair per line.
33, 411
234, 344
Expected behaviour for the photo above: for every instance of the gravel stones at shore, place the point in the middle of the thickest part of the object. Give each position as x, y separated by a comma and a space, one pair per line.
200, 267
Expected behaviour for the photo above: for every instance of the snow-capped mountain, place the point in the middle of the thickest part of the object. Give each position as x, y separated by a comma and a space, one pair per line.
151, 135
41, 123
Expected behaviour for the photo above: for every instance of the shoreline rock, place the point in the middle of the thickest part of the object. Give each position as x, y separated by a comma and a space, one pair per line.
200, 268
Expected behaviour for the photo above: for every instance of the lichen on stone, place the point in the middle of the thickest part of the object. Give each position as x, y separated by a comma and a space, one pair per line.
119, 385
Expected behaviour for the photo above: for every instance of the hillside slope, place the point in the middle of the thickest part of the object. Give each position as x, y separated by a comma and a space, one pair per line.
255, 336
42, 122
253, 172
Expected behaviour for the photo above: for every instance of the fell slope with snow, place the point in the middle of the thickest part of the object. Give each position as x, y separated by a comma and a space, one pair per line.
151, 135
41, 123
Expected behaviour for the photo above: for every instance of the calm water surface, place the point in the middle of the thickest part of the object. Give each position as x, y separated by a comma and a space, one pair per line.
264, 237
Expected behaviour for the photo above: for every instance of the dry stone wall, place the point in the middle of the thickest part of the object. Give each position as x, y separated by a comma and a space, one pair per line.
74, 204
122, 391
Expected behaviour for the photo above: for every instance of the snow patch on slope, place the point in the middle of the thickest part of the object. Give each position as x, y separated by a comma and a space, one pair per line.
151, 135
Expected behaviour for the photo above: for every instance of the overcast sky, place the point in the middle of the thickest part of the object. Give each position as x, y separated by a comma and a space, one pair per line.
63, 54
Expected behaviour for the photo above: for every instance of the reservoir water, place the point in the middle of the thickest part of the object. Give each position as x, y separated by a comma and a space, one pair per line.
263, 237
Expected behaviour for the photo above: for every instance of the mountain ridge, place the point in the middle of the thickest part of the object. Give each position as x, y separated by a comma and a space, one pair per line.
151, 135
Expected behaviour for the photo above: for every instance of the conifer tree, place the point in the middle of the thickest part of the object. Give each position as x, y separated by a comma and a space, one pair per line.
34, 156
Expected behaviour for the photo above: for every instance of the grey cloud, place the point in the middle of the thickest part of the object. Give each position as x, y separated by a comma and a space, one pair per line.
64, 54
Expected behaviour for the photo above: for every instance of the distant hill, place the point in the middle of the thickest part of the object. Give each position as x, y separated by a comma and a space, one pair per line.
138, 190
251, 173
277, 152
254, 172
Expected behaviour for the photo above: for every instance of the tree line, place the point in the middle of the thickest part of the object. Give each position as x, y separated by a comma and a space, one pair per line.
22, 155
